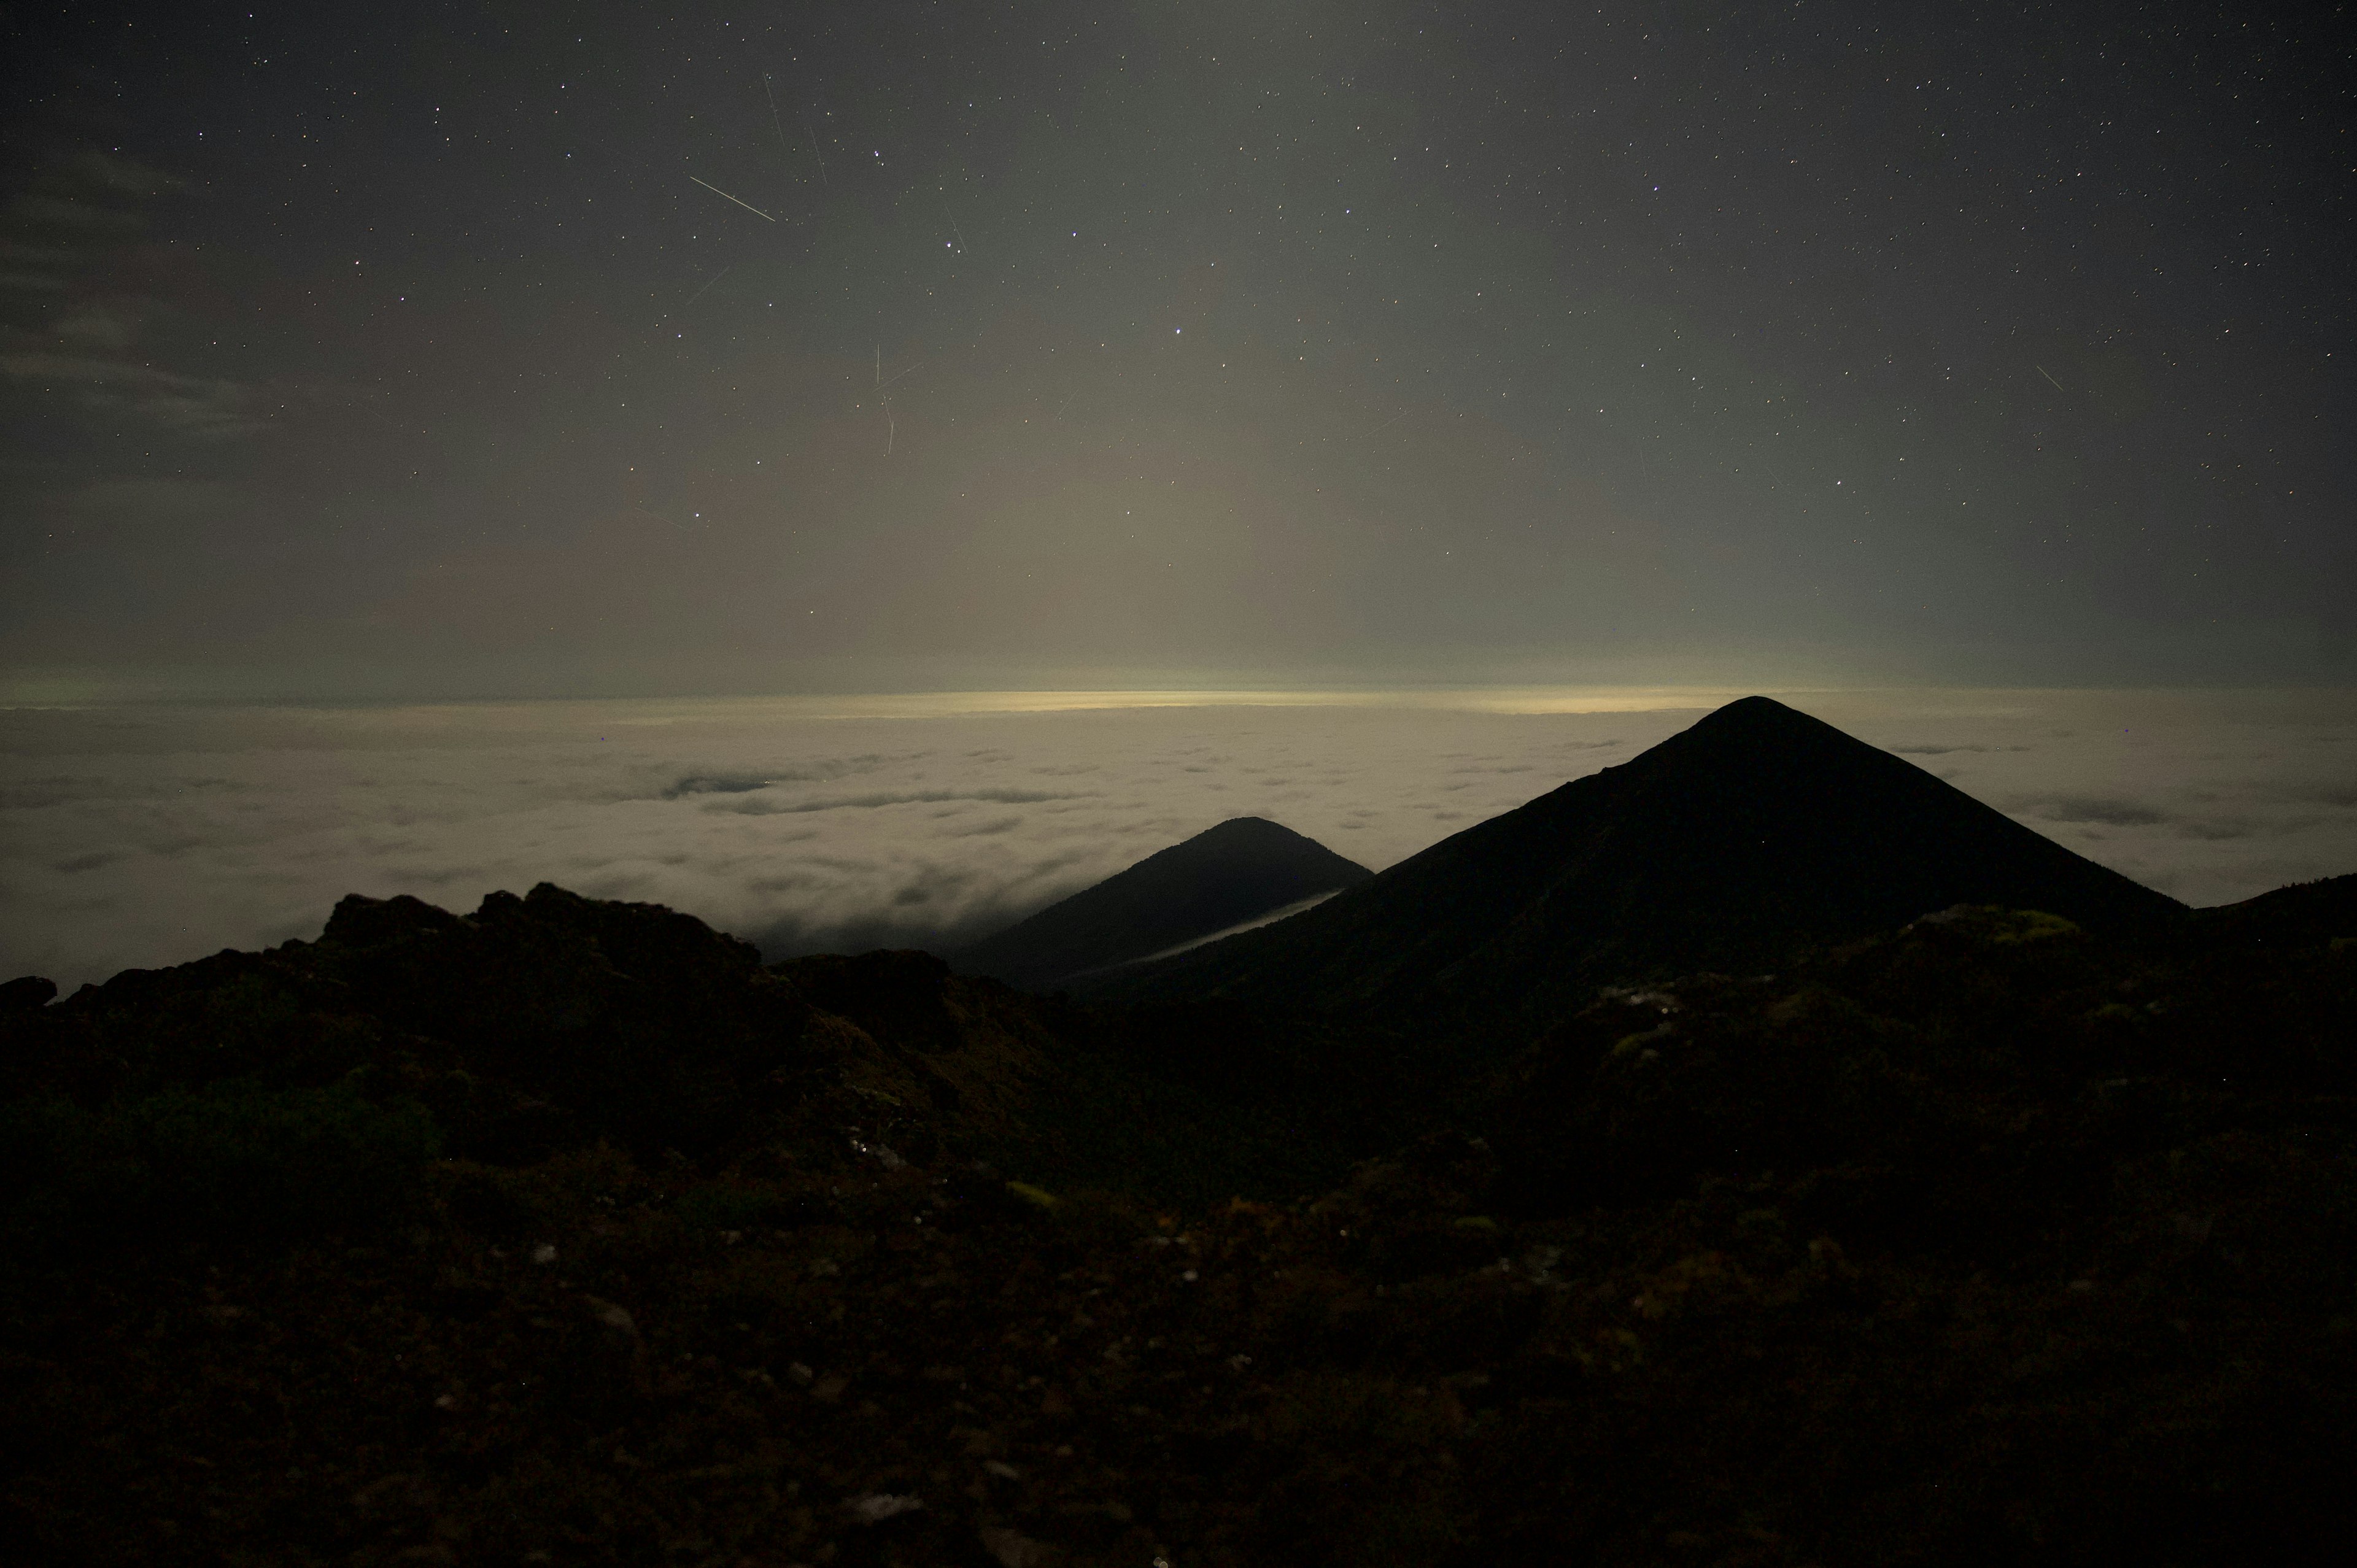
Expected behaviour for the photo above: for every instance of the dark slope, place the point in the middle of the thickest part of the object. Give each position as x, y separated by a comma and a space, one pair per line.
2303, 912
1986, 1241
1245, 868
1756, 831
569, 1231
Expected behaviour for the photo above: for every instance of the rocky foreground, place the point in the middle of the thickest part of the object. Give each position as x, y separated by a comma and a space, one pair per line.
566, 1232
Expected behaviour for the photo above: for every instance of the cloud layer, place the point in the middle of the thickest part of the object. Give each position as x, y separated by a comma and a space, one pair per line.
143, 836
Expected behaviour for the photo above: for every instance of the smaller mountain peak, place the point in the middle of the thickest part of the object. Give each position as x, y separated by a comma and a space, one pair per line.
28, 993
1239, 870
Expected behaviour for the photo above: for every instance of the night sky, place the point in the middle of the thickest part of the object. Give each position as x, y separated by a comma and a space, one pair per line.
440, 350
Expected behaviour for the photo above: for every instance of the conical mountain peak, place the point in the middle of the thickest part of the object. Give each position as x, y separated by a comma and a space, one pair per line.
1755, 729
1754, 709
1758, 719
1242, 869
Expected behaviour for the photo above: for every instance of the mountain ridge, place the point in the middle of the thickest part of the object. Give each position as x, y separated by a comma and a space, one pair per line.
1726, 846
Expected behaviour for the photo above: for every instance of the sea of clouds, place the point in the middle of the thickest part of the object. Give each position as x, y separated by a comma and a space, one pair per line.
142, 836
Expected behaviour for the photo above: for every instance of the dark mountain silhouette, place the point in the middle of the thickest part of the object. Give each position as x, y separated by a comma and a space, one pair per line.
570, 1222
2303, 912
1245, 868
1754, 835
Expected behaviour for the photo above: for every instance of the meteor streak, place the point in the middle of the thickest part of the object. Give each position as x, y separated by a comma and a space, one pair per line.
745, 205
773, 115
814, 152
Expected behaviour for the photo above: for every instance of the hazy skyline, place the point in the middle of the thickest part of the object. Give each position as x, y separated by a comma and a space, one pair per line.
412, 352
